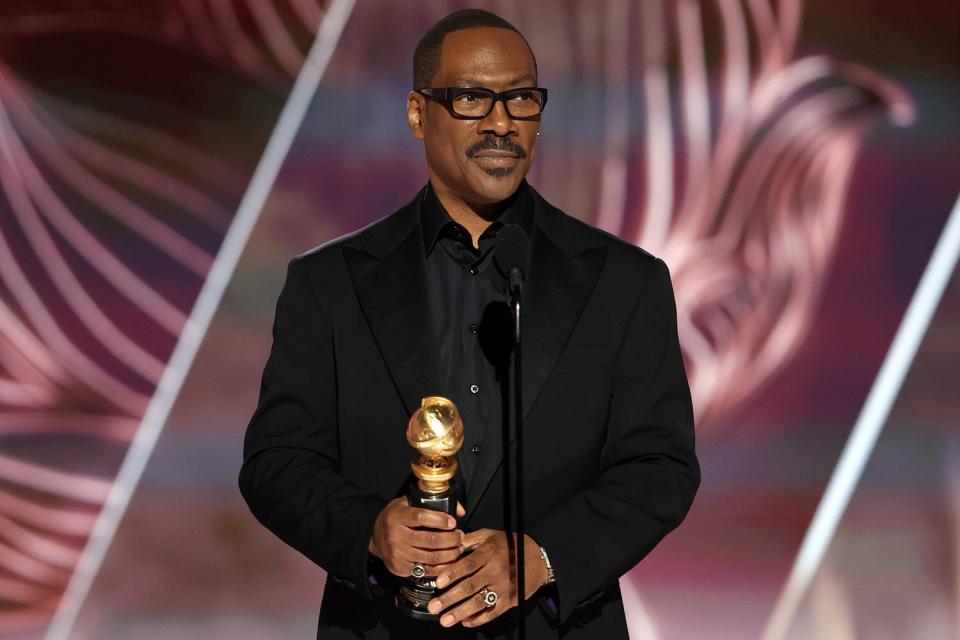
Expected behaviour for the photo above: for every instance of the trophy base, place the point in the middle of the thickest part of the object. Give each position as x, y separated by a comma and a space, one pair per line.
413, 594
412, 599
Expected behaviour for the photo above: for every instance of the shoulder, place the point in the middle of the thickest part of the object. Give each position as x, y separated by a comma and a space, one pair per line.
575, 236
631, 278
376, 239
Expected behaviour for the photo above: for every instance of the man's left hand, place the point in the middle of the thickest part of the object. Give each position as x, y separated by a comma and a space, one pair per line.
487, 565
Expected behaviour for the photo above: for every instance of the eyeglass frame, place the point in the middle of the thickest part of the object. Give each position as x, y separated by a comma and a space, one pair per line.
448, 95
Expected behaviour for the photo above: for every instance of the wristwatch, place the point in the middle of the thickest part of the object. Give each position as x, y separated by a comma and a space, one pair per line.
551, 576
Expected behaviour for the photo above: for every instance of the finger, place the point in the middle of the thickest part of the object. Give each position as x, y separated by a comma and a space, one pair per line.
469, 608
460, 510
474, 538
461, 591
431, 557
467, 545
401, 566
465, 566
486, 615
436, 539
416, 517
436, 570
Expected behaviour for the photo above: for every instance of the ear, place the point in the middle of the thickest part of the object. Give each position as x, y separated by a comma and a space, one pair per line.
416, 112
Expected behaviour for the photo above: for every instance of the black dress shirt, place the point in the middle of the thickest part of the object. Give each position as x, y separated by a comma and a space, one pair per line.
471, 316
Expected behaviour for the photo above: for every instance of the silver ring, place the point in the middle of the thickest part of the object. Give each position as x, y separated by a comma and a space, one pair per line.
489, 596
418, 571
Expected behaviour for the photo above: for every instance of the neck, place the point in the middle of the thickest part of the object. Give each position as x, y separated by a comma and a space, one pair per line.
474, 217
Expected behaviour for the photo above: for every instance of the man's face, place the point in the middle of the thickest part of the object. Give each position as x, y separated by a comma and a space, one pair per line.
480, 161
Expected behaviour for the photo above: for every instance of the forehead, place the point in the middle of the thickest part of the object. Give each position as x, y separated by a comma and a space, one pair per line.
484, 55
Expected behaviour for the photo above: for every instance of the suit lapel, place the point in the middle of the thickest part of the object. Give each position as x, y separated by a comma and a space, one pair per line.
389, 277
563, 272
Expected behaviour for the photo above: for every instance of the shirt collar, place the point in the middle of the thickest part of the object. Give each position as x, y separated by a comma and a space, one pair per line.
433, 217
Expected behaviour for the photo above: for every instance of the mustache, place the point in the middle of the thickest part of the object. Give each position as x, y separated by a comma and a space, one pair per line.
495, 143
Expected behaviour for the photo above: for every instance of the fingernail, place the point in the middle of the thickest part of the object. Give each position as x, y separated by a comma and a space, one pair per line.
451, 523
434, 606
446, 620
442, 581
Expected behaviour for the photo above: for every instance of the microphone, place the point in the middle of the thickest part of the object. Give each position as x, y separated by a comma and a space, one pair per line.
511, 258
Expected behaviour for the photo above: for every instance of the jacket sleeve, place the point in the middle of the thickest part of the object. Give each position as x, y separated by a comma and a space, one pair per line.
649, 471
290, 476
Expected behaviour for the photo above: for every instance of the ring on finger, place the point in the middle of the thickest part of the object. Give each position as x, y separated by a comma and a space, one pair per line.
418, 570
489, 597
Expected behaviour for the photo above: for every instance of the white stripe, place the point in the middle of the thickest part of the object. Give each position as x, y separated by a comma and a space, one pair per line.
640, 624
869, 424
288, 124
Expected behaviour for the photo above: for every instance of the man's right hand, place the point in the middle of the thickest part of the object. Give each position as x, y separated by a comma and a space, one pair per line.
404, 536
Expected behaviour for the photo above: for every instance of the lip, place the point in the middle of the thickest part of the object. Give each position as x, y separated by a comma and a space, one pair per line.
495, 154
498, 161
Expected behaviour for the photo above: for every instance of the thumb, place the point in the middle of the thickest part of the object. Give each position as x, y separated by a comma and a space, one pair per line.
460, 510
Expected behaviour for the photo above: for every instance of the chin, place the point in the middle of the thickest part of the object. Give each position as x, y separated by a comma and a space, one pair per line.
498, 186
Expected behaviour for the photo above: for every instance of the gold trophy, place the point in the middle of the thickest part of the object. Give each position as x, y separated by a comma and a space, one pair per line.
435, 430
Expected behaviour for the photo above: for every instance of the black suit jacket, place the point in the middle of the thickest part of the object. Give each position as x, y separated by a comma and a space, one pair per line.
608, 425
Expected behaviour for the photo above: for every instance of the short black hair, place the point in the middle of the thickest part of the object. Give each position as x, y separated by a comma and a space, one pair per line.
426, 57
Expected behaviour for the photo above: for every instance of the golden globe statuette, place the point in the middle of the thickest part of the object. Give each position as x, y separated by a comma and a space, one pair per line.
435, 431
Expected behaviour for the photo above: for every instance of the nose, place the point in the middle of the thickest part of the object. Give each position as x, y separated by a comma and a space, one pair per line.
499, 122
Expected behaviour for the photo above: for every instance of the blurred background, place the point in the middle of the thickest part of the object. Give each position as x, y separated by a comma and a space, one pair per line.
793, 162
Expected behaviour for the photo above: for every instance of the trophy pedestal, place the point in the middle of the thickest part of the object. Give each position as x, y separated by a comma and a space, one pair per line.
413, 594
445, 501
435, 431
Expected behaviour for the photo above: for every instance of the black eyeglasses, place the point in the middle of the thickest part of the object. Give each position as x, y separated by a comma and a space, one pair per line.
476, 103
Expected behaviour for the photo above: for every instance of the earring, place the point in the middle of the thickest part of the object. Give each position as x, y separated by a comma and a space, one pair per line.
538, 134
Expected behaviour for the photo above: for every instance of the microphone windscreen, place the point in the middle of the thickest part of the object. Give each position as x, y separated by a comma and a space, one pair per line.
512, 250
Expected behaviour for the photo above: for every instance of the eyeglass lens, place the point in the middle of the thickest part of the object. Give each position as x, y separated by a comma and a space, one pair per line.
520, 104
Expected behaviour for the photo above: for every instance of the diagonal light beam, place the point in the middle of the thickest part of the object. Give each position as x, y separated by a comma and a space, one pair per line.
168, 388
869, 424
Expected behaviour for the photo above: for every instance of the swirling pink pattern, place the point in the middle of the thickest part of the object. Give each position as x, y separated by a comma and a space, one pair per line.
733, 167
751, 236
108, 230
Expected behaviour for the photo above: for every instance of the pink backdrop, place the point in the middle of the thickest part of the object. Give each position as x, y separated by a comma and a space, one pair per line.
793, 162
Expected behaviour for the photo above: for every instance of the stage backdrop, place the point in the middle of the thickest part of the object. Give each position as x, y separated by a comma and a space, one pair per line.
795, 163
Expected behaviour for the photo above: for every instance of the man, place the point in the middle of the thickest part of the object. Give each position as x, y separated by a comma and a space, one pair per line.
369, 324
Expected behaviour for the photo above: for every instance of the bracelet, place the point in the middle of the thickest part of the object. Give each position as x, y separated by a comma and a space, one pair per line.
551, 576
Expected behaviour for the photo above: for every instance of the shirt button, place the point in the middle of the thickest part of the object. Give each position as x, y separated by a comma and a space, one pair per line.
475, 450
473, 328
474, 271
474, 388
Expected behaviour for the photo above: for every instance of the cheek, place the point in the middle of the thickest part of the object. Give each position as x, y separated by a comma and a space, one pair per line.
530, 142
447, 153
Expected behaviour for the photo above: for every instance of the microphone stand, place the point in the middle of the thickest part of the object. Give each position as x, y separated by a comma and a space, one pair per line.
516, 291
